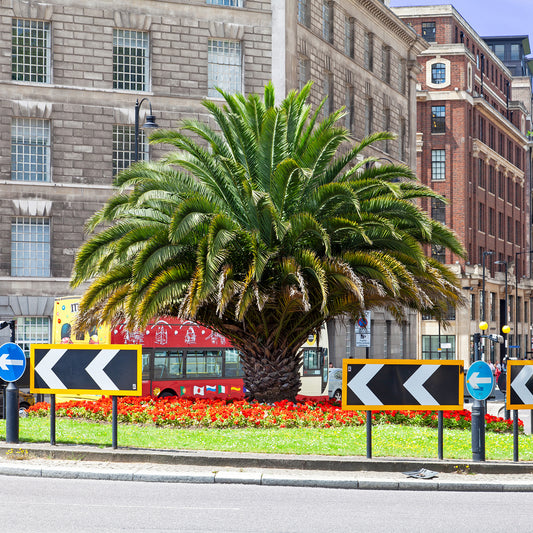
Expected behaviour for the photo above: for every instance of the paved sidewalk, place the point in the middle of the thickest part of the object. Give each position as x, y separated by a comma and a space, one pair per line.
87, 462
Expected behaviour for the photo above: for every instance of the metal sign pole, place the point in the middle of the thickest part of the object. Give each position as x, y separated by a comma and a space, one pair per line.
114, 421
53, 419
515, 435
12, 413
440, 431
369, 434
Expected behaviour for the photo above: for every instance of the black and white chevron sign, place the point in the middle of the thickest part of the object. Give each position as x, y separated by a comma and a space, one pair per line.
86, 369
519, 385
382, 384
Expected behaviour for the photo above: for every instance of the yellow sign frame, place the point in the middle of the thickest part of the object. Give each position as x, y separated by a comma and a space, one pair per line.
446, 362
87, 347
512, 406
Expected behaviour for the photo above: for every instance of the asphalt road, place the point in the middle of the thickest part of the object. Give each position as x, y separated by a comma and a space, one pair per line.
62, 506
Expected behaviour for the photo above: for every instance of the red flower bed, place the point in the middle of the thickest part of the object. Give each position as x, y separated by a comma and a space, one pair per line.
194, 412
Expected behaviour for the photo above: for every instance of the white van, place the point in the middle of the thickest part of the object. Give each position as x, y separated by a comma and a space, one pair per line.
335, 384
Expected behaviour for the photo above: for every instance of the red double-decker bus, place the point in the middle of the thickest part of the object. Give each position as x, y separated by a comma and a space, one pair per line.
182, 358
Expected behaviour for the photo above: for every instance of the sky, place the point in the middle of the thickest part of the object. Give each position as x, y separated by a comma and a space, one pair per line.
488, 17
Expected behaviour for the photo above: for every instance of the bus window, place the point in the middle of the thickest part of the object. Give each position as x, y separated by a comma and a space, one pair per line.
168, 365
146, 365
202, 364
233, 363
311, 362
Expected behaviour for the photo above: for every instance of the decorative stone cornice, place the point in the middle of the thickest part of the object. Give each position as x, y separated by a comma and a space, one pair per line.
134, 21
226, 30
483, 151
31, 109
31, 9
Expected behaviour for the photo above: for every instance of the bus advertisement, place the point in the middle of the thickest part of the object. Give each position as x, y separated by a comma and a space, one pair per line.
184, 359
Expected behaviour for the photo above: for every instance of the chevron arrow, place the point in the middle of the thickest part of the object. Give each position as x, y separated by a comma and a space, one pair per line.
95, 369
415, 385
519, 384
45, 366
359, 384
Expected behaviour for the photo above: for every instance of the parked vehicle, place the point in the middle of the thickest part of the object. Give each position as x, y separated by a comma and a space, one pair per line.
335, 384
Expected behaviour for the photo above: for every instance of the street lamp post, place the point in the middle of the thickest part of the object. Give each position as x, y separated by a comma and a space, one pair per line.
150, 123
516, 295
485, 253
505, 327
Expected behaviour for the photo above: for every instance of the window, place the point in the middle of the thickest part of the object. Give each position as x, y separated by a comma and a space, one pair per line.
438, 164
429, 31
501, 185
350, 107
124, 147
303, 72
224, 66
499, 50
386, 127
472, 307
168, 365
501, 226
30, 246
509, 229
30, 149
203, 364
438, 73
31, 51
481, 217
430, 347
515, 52
233, 363
304, 12
438, 119
438, 210
402, 140
230, 3
438, 252
328, 93
369, 115
311, 362
369, 51
385, 64
349, 48
327, 21
32, 330
130, 60
481, 173
492, 221
492, 180
403, 78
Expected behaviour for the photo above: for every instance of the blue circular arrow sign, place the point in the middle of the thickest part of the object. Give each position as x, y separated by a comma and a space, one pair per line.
12, 361
479, 380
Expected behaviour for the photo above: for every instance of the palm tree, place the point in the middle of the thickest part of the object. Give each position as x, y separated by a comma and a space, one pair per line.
262, 230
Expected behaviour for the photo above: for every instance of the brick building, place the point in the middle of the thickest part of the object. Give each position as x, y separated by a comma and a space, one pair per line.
71, 73
473, 149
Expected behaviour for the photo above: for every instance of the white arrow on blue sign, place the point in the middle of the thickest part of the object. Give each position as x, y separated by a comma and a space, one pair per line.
12, 361
479, 380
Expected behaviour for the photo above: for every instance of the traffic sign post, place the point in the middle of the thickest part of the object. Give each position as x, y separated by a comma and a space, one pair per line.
113, 370
519, 390
12, 366
479, 383
401, 384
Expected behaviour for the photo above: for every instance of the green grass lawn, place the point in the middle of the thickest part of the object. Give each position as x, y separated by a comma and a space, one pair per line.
387, 440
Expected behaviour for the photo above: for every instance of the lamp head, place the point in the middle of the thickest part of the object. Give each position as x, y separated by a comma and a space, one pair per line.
483, 326
506, 329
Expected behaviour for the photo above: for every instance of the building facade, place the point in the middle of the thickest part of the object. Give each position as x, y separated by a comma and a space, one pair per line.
71, 75
473, 149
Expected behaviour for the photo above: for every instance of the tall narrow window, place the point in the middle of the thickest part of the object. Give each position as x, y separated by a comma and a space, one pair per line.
429, 31
402, 140
30, 149
327, 21
369, 116
438, 73
438, 210
386, 127
130, 60
304, 12
30, 246
304, 67
328, 93
31, 51
403, 76
385, 63
349, 32
350, 107
124, 147
481, 174
230, 3
369, 51
224, 66
438, 119
438, 164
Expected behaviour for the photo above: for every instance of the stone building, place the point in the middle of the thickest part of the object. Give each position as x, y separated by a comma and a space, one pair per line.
473, 149
68, 93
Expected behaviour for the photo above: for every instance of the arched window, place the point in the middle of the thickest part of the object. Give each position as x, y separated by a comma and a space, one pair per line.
438, 73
